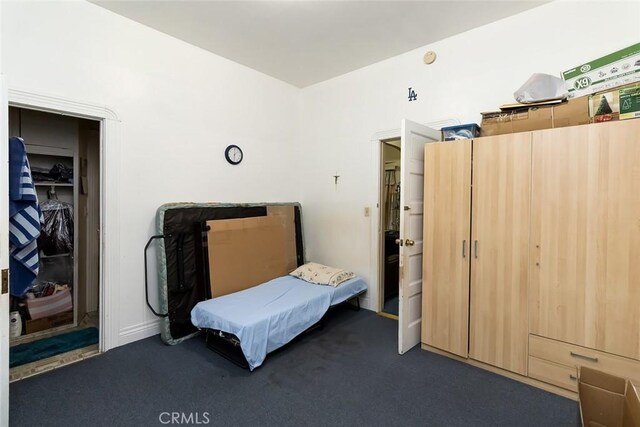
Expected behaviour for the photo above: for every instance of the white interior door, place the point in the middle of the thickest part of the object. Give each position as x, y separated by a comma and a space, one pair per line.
4, 254
413, 138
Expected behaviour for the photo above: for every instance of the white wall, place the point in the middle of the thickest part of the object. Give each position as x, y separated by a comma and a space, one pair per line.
179, 107
475, 71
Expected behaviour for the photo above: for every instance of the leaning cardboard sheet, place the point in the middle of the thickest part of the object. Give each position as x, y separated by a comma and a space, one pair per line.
183, 258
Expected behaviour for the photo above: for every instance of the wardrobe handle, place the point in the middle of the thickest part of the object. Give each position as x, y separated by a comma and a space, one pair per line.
593, 359
475, 248
464, 248
572, 377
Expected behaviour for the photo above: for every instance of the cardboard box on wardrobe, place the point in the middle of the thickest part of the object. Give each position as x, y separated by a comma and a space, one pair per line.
621, 103
525, 119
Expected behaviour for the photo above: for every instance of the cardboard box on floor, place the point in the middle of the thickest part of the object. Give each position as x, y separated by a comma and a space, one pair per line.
49, 322
572, 113
607, 400
246, 252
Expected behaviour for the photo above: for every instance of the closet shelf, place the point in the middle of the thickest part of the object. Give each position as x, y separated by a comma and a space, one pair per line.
56, 256
54, 184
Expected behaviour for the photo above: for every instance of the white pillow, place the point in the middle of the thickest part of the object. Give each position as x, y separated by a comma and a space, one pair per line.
321, 274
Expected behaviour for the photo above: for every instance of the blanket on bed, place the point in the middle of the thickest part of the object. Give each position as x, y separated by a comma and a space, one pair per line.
268, 316
265, 317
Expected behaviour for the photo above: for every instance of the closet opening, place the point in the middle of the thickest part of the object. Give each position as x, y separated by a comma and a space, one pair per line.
389, 254
54, 301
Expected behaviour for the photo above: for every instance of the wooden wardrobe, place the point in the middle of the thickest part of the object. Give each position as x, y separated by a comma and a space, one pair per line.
532, 251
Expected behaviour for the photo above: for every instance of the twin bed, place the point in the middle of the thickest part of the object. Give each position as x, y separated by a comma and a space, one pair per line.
264, 318
223, 269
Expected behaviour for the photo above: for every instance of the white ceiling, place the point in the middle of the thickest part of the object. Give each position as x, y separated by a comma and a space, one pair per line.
305, 42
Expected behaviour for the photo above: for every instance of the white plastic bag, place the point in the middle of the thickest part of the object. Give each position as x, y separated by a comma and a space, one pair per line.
541, 87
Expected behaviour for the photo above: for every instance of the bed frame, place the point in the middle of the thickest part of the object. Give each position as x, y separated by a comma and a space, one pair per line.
228, 345
184, 271
182, 259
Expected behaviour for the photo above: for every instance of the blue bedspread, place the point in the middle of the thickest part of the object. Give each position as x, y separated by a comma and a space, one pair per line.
268, 316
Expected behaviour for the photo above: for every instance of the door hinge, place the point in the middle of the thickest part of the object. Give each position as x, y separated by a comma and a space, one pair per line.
5, 281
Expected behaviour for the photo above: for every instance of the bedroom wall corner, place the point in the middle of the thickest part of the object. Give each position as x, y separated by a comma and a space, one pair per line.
475, 71
137, 332
179, 107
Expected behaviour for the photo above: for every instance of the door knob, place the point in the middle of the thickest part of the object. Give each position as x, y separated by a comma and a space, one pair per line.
409, 242
399, 242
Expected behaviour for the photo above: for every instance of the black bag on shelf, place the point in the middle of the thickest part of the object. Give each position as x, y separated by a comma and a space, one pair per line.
61, 173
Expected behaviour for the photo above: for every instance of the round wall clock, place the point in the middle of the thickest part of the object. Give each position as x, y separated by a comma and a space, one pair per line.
233, 154
429, 57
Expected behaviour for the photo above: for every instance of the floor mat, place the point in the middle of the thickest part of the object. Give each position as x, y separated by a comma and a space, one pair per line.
48, 347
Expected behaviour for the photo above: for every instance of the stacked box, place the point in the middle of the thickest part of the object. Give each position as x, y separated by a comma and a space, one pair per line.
616, 69
526, 119
617, 104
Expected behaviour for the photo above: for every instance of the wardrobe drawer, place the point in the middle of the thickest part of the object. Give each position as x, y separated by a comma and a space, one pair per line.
572, 355
553, 373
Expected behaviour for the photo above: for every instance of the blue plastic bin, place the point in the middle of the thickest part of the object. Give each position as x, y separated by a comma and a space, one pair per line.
465, 131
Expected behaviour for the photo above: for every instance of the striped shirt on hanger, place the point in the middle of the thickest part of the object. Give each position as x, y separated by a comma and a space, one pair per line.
25, 220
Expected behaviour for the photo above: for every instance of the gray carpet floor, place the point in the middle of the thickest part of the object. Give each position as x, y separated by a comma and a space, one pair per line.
392, 306
348, 373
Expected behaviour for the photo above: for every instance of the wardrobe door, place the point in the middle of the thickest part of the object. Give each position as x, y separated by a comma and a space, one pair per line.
500, 257
585, 236
447, 197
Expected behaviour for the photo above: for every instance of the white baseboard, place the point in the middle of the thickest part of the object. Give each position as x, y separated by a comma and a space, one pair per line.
367, 304
152, 327
138, 332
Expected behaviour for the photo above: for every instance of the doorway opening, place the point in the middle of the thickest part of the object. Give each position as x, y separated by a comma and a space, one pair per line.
412, 137
389, 257
55, 320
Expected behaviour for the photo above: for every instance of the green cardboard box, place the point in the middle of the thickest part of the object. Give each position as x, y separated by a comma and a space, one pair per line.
630, 102
616, 69
617, 104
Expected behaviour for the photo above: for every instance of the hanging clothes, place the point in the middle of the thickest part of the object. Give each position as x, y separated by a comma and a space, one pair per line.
391, 198
25, 220
56, 235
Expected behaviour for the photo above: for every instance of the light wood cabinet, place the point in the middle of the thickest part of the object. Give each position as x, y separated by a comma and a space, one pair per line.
550, 271
554, 373
447, 199
500, 241
585, 236
481, 254
569, 355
